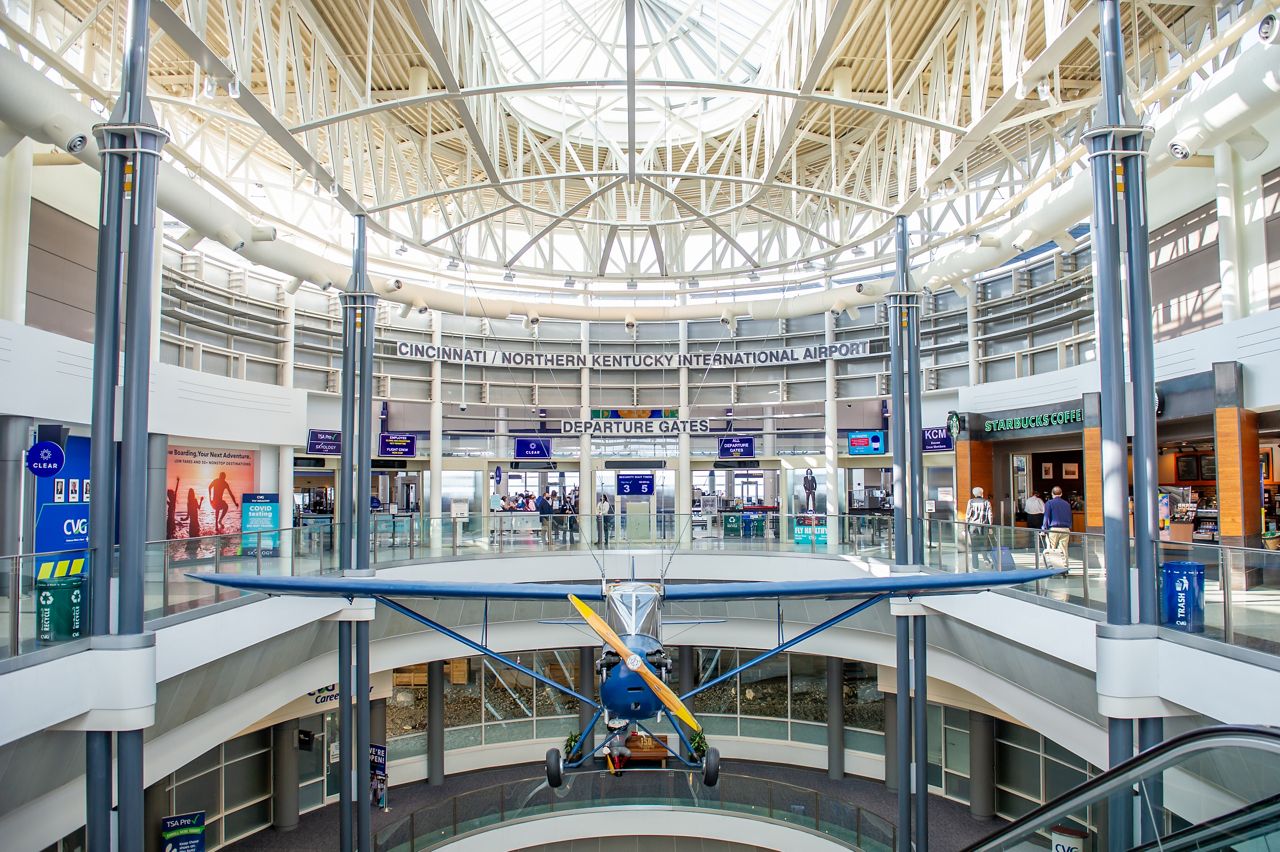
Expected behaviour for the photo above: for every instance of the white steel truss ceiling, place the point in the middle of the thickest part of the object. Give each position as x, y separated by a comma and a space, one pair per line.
644, 141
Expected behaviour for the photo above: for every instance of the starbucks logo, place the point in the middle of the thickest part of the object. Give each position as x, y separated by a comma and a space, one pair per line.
953, 424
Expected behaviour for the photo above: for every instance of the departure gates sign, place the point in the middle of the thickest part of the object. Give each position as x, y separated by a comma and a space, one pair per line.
662, 426
634, 360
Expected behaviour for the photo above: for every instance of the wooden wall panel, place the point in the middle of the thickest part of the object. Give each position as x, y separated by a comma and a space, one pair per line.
1239, 486
1093, 479
975, 466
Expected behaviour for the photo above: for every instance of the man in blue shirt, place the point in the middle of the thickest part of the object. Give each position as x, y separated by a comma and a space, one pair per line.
1057, 522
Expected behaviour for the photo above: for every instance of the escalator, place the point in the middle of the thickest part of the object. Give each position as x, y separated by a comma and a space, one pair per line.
1215, 788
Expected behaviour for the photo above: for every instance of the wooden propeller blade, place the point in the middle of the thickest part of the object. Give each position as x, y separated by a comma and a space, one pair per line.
668, 698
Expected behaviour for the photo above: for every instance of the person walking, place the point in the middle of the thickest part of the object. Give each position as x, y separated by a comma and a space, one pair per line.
1033, 506
545, 511
1057, 522
604, 520
977, 520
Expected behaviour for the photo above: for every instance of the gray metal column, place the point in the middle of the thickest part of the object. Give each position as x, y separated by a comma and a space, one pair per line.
435, 723
891, 741
587, 685
687, 671
155, 806
903, 720
898, 426
102, 465
835, 718
344, 732
920, 720
364, 816
1109, 119
134, 125
284, 775
363, 447
915, 438
344, 495
982, 766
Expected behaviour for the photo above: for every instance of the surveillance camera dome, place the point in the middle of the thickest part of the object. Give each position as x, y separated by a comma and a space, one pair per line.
462, 407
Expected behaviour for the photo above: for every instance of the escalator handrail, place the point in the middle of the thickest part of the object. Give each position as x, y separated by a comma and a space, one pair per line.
1031, 821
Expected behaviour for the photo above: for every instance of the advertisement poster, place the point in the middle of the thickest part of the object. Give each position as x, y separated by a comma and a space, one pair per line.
378, 775
62, 504
205, 488
261, 514
183, 832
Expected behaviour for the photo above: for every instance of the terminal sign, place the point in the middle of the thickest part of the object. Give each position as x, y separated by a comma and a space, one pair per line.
533, 448
937, 439
738, 447
397, 445
632, 484
663, 426
45, 458
324, 442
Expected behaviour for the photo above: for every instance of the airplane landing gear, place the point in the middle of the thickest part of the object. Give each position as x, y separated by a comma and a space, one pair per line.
711, 767
555, 768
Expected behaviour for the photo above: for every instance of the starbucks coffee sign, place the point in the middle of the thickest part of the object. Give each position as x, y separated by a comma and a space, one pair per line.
1034, 421
633, 360
657, 426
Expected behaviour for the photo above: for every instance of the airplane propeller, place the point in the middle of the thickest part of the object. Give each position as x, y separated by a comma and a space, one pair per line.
635, 663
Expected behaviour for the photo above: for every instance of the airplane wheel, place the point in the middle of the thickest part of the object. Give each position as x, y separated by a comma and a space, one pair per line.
711, 767
555, 768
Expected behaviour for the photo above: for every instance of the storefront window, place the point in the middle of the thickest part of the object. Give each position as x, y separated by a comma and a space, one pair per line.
508, 701
808, 688
863, 701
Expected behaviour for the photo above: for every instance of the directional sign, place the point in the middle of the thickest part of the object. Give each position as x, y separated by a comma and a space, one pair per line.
45, 458
937, 439
738, 447
533, 448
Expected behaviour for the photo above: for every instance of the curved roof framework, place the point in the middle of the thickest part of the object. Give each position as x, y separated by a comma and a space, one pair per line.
642, 142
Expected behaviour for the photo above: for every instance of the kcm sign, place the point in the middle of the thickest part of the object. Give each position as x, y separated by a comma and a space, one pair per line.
633, 360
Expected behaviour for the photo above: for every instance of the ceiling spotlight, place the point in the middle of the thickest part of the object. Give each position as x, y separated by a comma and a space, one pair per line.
693, 284
402, 248
210, 87
857, 251
424, 309
632, 285
807, 265
753, 276
233, 87
453, 263
569, 283
508, 276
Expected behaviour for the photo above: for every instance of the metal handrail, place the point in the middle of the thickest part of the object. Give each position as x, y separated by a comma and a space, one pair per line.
1123, 776
420, 825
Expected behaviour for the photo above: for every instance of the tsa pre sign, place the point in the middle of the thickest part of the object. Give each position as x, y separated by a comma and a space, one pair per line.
183, 832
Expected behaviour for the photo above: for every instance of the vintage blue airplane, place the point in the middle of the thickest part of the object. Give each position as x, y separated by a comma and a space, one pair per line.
634, 669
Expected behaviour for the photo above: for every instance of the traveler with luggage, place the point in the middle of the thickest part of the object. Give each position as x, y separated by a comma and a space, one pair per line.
977, 521
1057, 526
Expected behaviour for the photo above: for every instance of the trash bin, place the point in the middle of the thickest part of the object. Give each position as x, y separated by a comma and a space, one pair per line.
732, 525
1182, 596
59, 608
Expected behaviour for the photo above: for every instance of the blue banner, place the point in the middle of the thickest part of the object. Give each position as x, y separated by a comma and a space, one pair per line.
533, 448
867, 443
632, 484
260, 513
62, 503
738, 447
183, 832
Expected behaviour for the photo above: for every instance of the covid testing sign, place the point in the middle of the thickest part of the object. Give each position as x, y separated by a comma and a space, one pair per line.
261, 516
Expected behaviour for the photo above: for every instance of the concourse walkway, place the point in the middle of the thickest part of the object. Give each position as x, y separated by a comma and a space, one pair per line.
950, 826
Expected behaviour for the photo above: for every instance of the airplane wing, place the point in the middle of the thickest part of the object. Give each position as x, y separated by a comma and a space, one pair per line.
855, 587
367, 587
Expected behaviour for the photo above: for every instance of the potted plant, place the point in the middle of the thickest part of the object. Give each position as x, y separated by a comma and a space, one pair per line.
1271, 540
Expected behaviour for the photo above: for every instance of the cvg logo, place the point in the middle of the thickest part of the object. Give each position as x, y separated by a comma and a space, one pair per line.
1066, 847
75, 526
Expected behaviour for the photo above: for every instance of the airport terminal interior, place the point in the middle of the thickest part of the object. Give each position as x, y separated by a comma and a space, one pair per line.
607, 425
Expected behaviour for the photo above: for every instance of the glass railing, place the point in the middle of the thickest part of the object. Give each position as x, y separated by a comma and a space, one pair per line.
1215, 788
656, 789
1237, 599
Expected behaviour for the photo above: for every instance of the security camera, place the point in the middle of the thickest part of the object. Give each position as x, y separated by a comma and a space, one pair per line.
70, 141
424, 309
725, 318
231, 239
629, 323
462, 406
78, 141
1268, 27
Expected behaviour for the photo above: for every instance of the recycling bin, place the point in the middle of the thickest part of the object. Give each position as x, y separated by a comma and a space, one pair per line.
732, 525
59, 608
1182, 596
